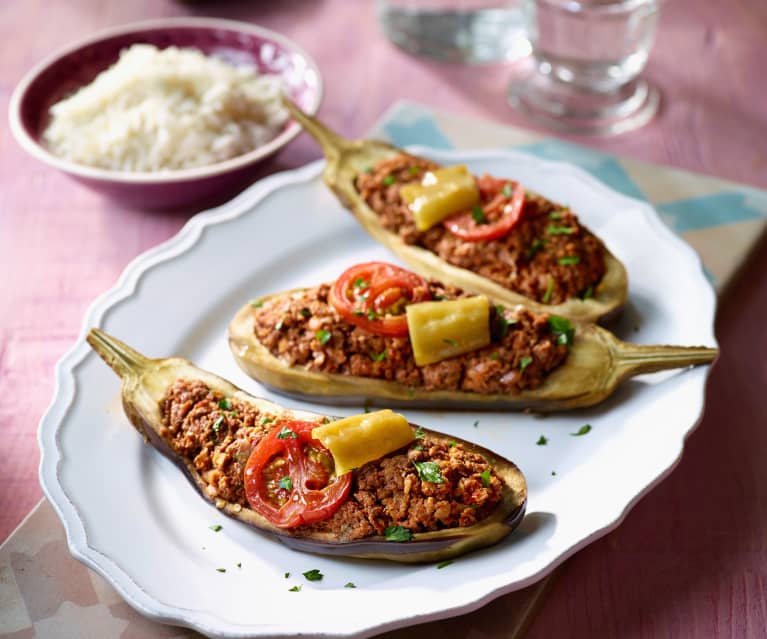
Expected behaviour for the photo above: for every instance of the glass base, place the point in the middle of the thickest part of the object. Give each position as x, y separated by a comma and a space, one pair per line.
563, 107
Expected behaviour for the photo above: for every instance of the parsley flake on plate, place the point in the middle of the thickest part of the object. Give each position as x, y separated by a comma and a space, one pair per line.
586, 428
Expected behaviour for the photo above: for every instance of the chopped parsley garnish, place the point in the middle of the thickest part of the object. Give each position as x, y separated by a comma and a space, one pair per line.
536, 246
506, 190
589, 292
555, 215
553, 472
215, 527
313, 575
429, 471
366, 408
287, 574
450, 342
286, 433
295, 588
217, 424
220, 569
524, 363
389, 180
542, 441
485, 477
549, 290
444, 564
368, 170
358, 312
419, 432
305, 312
438, 298
397, 533
478, 215
239, 564
418, 447
380, 356
569, 259
552, 229
452, 444
323, 337
360, 283
372, 314
286, 483
499, 327
562, 328
225, 404
586, 428
267, 420
349, 584
476, 423
256, 303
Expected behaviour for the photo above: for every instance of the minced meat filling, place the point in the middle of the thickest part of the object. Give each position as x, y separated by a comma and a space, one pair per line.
218, 435
548, 256
522, 353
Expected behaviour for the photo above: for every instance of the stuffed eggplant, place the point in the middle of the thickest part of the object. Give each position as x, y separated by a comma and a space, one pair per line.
369, 486
383, 335
486, 235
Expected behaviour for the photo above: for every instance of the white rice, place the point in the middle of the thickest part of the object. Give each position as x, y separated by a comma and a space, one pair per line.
169, 109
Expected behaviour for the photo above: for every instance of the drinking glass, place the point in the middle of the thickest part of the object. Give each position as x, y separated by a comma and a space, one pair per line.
587, 56
456, 30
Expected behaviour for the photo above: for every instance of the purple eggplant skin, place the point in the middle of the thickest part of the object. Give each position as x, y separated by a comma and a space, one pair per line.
146, 381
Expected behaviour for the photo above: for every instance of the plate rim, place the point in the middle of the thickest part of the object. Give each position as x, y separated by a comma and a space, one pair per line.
65, 388
39, 152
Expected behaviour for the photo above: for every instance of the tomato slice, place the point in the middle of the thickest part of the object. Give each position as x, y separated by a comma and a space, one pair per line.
289, 477
500, 213
373, 296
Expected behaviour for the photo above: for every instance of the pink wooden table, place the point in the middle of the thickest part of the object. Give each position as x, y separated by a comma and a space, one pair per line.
691, 557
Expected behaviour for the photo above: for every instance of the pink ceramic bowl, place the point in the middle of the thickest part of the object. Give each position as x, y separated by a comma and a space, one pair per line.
77, 65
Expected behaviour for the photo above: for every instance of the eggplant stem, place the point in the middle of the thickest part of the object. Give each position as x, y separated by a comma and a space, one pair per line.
637, 359
332, 144
122, 359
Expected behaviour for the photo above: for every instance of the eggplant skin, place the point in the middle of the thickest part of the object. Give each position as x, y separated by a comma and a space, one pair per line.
145, 383
597, 362
346, 159
423, 548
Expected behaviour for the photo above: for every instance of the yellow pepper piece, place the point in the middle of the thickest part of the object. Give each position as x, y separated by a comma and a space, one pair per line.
439, 330
441, 193
358, 439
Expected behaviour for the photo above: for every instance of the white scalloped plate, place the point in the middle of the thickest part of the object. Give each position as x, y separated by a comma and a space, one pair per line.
132, 517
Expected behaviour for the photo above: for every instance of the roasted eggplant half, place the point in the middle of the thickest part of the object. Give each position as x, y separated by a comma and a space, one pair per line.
548, 262
224, 439
305, 343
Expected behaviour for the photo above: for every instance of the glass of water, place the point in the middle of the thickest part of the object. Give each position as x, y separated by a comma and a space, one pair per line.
587, 56
456, 30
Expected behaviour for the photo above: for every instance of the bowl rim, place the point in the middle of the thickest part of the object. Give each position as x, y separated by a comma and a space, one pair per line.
37, 150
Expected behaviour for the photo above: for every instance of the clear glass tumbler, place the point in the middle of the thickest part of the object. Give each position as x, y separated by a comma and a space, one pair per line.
587, 56
456, 30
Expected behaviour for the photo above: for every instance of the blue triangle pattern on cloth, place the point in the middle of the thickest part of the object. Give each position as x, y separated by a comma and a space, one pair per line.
601, 165
728, 207
416, 130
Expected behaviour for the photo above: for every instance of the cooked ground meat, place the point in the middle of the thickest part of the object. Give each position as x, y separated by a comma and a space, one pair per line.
548, 257
522, 353
218, 435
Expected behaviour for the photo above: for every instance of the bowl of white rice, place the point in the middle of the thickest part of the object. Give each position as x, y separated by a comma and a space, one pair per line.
165, 113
